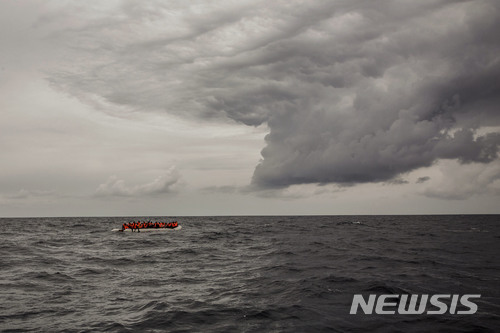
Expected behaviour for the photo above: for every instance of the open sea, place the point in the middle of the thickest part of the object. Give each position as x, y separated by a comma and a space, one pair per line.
245, 273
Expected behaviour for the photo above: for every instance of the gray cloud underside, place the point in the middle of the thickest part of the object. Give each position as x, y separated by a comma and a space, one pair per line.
352, 91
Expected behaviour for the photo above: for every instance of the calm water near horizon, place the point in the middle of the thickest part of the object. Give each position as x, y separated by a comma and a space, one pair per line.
244, 273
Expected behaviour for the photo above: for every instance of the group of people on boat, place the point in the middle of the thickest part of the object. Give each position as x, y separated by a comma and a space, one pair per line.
149, 224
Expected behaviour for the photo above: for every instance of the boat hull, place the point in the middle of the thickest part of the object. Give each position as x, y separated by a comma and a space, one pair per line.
148, 229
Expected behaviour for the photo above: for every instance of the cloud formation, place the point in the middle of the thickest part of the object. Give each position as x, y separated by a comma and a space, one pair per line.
161, 185
23, 194
424, 179
459, 182
352, 91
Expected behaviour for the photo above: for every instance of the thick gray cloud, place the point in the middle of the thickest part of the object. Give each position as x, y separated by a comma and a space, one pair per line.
416, 91
352, 91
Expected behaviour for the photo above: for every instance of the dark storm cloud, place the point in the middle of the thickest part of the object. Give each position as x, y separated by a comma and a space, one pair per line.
352, 91
420, 90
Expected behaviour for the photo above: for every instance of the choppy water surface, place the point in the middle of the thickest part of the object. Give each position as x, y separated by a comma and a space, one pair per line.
244, 274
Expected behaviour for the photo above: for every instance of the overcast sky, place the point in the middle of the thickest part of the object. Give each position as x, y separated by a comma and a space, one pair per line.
249, 107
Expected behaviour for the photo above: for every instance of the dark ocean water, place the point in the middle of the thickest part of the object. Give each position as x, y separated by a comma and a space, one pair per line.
244, 274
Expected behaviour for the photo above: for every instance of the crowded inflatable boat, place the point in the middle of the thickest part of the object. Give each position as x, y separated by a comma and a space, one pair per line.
142, 226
